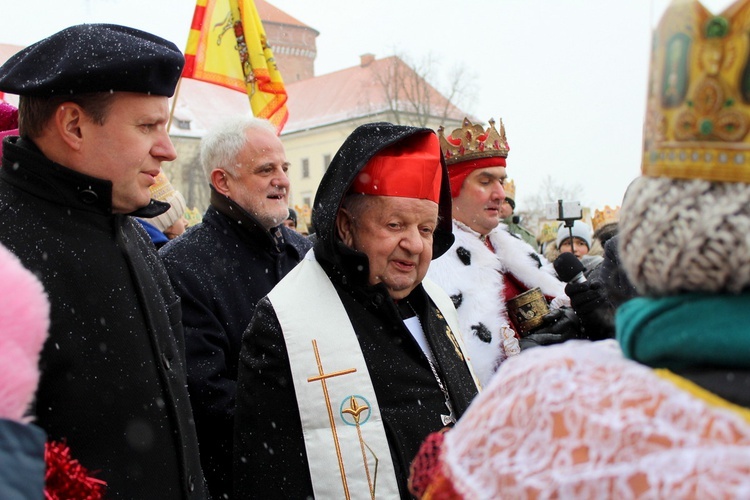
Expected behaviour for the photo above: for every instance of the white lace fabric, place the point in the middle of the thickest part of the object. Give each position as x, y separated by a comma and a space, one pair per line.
579, 421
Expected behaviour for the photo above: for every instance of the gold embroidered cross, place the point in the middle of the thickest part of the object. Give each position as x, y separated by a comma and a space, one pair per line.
322, 376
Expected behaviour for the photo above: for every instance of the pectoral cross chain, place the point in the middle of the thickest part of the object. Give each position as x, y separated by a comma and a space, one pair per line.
451, 417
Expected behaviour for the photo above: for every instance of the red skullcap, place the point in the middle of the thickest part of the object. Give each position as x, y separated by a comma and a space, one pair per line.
409, 169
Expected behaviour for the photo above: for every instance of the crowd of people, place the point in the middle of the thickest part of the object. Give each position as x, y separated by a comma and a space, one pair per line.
419, 343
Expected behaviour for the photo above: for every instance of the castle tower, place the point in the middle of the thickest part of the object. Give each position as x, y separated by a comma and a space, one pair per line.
292, 42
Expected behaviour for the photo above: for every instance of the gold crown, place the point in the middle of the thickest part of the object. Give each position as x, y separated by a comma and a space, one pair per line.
472, 142
698, 114
604, 217
510, 189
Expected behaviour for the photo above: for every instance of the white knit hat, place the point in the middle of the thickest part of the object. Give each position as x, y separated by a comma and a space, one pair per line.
580, 230
163, 190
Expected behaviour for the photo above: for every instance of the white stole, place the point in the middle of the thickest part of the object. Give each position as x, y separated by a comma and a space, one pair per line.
345, 459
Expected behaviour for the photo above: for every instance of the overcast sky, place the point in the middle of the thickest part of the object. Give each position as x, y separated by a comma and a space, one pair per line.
568, 77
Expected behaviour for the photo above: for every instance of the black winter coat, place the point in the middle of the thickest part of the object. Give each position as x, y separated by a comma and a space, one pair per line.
270, 458
113, 381
221, 269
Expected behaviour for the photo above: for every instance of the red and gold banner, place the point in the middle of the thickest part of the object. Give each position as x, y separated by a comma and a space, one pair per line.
227, 46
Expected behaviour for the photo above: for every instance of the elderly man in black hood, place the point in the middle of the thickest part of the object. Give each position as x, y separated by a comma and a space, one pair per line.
354, 358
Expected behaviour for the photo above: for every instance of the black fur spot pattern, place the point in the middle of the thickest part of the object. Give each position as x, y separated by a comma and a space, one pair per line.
482, 332
464, 256
536, 258
457, 299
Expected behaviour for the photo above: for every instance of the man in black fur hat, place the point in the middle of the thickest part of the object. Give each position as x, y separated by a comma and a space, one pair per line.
93, 114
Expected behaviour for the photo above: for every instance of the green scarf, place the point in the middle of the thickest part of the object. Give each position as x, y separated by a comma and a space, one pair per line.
686, 330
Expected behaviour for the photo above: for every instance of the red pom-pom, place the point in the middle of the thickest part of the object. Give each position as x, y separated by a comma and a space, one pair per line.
426, 464
66, 478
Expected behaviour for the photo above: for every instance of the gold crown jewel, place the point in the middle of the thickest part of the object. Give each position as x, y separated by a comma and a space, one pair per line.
606, 216
698, 115
472, 142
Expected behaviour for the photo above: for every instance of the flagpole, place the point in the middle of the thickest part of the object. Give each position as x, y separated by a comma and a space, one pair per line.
174, 104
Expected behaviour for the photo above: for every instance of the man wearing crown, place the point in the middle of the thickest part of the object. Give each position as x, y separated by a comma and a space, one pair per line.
487, 266
615, 283
604, 225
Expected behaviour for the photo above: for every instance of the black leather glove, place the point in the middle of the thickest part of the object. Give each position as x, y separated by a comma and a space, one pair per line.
562, 321
539, 339
559, 325
585, 297
594, 311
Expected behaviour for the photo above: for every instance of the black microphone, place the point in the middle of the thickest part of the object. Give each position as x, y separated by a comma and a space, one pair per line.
569, 269
587, 299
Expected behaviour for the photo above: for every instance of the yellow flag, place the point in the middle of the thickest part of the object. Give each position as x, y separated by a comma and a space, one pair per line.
227, 46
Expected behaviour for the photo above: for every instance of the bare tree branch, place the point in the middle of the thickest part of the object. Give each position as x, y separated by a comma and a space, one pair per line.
411, 96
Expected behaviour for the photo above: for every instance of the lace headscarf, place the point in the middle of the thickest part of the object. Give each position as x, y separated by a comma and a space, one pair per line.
622, 434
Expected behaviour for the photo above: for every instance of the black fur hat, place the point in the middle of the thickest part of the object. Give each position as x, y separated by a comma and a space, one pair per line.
94, 58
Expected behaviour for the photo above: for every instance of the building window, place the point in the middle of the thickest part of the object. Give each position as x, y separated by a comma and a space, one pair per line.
307, 200
326, 161
305, 168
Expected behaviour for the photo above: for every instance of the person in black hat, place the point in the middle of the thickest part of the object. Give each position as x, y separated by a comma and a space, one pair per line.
93, 112
291, 221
